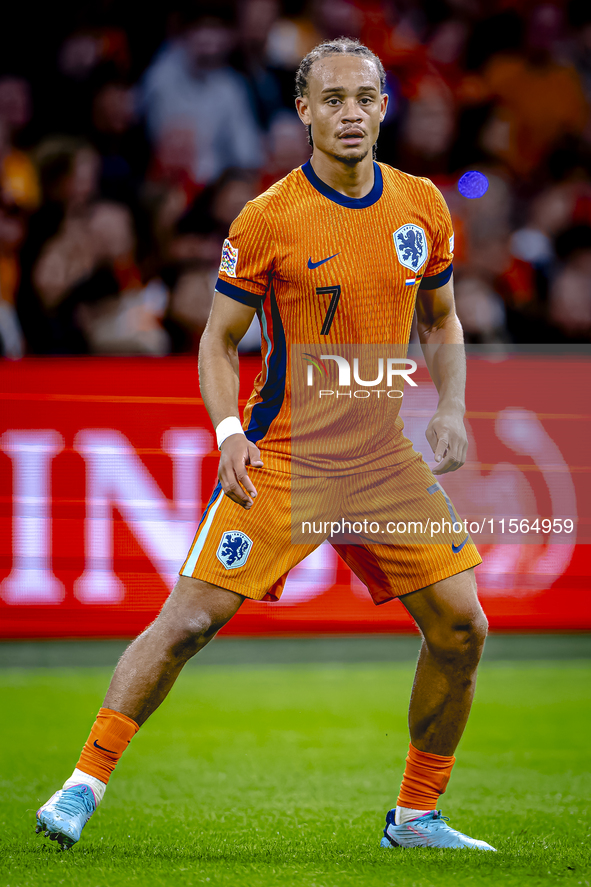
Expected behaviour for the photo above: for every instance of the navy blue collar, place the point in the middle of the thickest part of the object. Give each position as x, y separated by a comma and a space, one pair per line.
336, 197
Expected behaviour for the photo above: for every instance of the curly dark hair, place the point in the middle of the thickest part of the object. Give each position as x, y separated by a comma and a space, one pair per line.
339, 46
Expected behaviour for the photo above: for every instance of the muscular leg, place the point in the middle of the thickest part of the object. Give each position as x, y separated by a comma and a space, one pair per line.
453, 625
454, 628
190, 618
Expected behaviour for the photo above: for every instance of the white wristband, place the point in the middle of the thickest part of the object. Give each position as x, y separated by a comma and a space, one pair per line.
229, 425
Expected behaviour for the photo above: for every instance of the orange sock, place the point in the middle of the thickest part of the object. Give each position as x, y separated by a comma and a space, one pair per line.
111, 734
425, 778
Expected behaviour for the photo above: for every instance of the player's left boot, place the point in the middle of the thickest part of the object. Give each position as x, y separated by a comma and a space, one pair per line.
66, 813
429, 830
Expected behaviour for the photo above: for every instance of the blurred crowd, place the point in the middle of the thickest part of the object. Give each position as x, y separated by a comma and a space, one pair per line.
131, 137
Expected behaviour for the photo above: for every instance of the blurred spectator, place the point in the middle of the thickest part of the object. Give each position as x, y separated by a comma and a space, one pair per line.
13, 221
57, 253
170, 189
333, 18
255, 20
497, 281
17, 174
291, 37
191, 86
570, 294
173, 163
161, 148
19, 196
128, 320
120, 141
481, 312
446, 48
579, 14
12, 344
19, 187
556, 208
87, 55
87, 48
485, 226
428, 129
287, 148
537, 99
550, 212
77, 260
194, 254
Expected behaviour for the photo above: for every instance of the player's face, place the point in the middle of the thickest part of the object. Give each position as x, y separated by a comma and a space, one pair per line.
344, 106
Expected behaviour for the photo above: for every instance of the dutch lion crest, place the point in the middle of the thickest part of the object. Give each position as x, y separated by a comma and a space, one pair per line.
234, 549
411, 246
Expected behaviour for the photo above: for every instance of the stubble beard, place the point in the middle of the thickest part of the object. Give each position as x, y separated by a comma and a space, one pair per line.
351, 161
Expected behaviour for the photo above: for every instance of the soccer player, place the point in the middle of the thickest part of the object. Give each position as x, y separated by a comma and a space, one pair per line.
342, 251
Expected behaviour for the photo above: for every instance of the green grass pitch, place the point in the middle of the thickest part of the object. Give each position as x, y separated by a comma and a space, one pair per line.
282, 776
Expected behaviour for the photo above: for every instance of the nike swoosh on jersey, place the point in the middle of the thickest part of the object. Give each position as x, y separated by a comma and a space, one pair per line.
104, 749
312, 265
456, 548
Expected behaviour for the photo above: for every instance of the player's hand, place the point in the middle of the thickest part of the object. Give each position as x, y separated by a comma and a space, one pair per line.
236, 453
448, 440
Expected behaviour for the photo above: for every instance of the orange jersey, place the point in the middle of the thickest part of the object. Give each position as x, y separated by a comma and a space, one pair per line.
334, 281
325, 269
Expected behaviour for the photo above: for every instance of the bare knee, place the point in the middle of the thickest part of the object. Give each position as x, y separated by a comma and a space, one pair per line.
182, 634
191, 635
192, 616
458, 642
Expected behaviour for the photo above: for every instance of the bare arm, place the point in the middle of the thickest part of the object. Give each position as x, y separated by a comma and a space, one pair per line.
65, 260
442, 341
219, 381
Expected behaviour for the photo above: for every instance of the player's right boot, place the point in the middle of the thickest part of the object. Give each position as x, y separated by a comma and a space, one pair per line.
66, 813
429, 830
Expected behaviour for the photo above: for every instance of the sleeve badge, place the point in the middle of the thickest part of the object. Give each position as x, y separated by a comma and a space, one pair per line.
229, 259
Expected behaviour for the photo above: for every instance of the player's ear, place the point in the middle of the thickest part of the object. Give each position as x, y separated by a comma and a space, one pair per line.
384, 99
303, 110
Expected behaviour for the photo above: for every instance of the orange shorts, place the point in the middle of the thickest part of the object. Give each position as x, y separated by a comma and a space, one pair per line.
251, 552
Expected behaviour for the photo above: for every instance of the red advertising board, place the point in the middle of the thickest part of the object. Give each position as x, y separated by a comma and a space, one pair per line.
106, 464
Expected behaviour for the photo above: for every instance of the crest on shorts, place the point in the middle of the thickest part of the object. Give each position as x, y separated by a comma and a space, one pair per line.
411, 246
229, 259
234, 549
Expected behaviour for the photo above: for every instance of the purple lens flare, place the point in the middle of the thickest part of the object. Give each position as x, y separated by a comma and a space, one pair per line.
473, 184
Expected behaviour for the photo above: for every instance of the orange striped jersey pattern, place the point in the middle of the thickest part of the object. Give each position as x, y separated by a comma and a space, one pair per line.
324, 269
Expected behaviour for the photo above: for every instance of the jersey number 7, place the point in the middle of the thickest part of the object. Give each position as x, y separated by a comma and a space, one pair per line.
335, 293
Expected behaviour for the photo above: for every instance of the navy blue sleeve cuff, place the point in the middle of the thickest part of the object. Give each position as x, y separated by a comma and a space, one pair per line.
432, 283
239, 295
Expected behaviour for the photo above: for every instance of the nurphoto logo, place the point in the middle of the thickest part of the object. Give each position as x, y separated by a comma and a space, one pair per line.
390, 371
